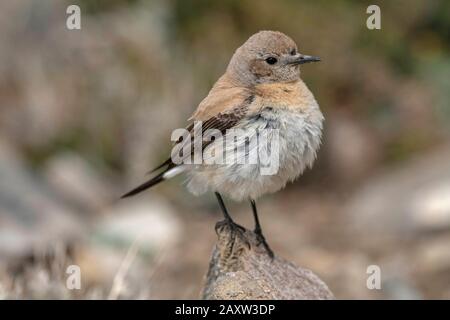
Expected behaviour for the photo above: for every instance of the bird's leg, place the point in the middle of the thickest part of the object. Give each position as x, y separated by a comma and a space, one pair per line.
228, 220
258, 230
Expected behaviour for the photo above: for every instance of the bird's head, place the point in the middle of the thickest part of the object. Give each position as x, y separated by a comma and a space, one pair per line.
267, 57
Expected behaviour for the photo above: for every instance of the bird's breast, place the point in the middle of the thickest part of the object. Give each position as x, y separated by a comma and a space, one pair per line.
292, 96
285, 138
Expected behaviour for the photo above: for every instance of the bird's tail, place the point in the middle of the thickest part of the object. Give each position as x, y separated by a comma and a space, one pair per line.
168, 173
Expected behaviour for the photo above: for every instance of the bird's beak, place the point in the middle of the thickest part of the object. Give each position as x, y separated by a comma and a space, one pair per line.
301, 59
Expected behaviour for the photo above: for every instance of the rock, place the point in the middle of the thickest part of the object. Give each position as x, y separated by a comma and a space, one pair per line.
240, 269
75, 180
408, 199
400, 289
433, 256
344, 270
150, 222
430, 207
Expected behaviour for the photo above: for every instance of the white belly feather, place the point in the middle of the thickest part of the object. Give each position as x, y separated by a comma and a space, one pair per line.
299, 139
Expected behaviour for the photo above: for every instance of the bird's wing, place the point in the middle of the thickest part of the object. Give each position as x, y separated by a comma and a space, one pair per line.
220, 112
224, 106
226, 119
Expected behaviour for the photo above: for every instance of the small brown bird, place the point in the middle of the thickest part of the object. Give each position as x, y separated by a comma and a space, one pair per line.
260, 97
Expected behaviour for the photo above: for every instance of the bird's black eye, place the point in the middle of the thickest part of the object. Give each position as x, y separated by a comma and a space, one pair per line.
271, 60
293, 51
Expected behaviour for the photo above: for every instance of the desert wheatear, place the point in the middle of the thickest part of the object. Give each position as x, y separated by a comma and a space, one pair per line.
263, 107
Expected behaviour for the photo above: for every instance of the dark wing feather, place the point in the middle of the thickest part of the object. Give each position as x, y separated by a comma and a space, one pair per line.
221, 122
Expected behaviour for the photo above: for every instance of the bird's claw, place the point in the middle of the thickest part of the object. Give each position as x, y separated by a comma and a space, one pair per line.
261, 240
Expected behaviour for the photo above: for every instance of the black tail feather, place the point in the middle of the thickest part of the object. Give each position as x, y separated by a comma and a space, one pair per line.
150, 183
167, 163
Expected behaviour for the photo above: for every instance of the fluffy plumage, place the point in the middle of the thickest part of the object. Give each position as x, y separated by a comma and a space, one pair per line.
255, 94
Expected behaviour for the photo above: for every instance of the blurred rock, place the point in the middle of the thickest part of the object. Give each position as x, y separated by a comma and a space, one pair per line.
400, 289
430, 208
412, 197
339, 270
433, 256
30, 215
75, 179
110, 267
128, 244
149, 222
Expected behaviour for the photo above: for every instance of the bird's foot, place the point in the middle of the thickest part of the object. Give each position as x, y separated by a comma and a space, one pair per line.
232, 233
261, 240
231, 225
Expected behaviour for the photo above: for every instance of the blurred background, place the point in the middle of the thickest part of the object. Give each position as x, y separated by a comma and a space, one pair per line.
85, 113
